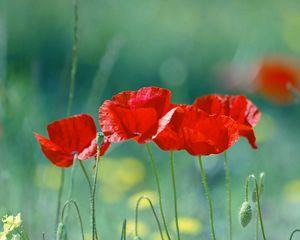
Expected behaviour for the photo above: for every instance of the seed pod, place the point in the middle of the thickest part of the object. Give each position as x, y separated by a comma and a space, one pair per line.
245, 214
99, 138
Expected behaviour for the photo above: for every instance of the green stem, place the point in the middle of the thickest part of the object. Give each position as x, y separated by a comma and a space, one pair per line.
78, 214
292, 234
93, 197
208, 198
155, 172
59, 197
257, 221
154, 213
71, 184
86, 175
123, 233
70, 100
174, 192
258, 208
228, 188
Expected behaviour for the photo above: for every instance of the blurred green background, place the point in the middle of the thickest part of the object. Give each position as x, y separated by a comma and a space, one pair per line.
125, 45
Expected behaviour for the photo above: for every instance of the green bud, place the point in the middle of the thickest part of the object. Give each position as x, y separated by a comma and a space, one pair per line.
99, 138
61, 233
245, 214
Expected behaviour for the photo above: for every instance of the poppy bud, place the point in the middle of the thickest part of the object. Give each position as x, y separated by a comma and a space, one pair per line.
245, 214
99, 138
61, 233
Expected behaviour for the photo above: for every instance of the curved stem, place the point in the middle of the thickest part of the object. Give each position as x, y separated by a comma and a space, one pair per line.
78, 214
174, 192
258, 208
208, 198
93, 196
228, 188
247, 189
44, 238
292, 234
86, 175
153, 211
154, 168
123, 233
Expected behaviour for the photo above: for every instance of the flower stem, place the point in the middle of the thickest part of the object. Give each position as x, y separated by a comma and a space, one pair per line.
59, 196
208, 198
153, 211
78, 214
86, 175
70, 100
174, 192
123, 233
154, 168
228, 188
292, 234
259, 210
93, 197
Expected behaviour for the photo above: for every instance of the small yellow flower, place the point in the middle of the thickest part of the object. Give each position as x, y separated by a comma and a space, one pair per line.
188, 226
9, 224
144, 204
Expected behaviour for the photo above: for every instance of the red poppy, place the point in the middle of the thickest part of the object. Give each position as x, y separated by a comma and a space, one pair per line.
69, 136
239, 108
134, 114
188, 128
278, 79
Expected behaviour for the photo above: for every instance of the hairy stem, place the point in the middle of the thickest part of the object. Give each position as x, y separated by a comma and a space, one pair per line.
208, 198
70, 99
228, 188
154, 168
292, 234
71, 201
174, 192
153, 211
93, 197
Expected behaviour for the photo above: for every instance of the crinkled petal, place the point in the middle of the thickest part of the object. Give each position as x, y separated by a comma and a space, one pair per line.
91, 150
134, 114
73, 133
238, 107
190, 128
54, 153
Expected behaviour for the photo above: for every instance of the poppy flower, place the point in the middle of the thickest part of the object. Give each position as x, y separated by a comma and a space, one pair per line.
134, 114
70, 136
238, 107
278, 79
188, 128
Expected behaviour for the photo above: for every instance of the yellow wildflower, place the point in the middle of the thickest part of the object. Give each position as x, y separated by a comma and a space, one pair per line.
188, 226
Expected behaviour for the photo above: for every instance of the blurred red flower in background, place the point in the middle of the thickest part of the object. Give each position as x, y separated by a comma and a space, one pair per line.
238, 107
70, 136
134, 114
188, 128
278, 79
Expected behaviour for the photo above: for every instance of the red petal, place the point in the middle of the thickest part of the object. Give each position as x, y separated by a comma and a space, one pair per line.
189, 128
73, 134
54, 153
134, 114
91, 151
239, 108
